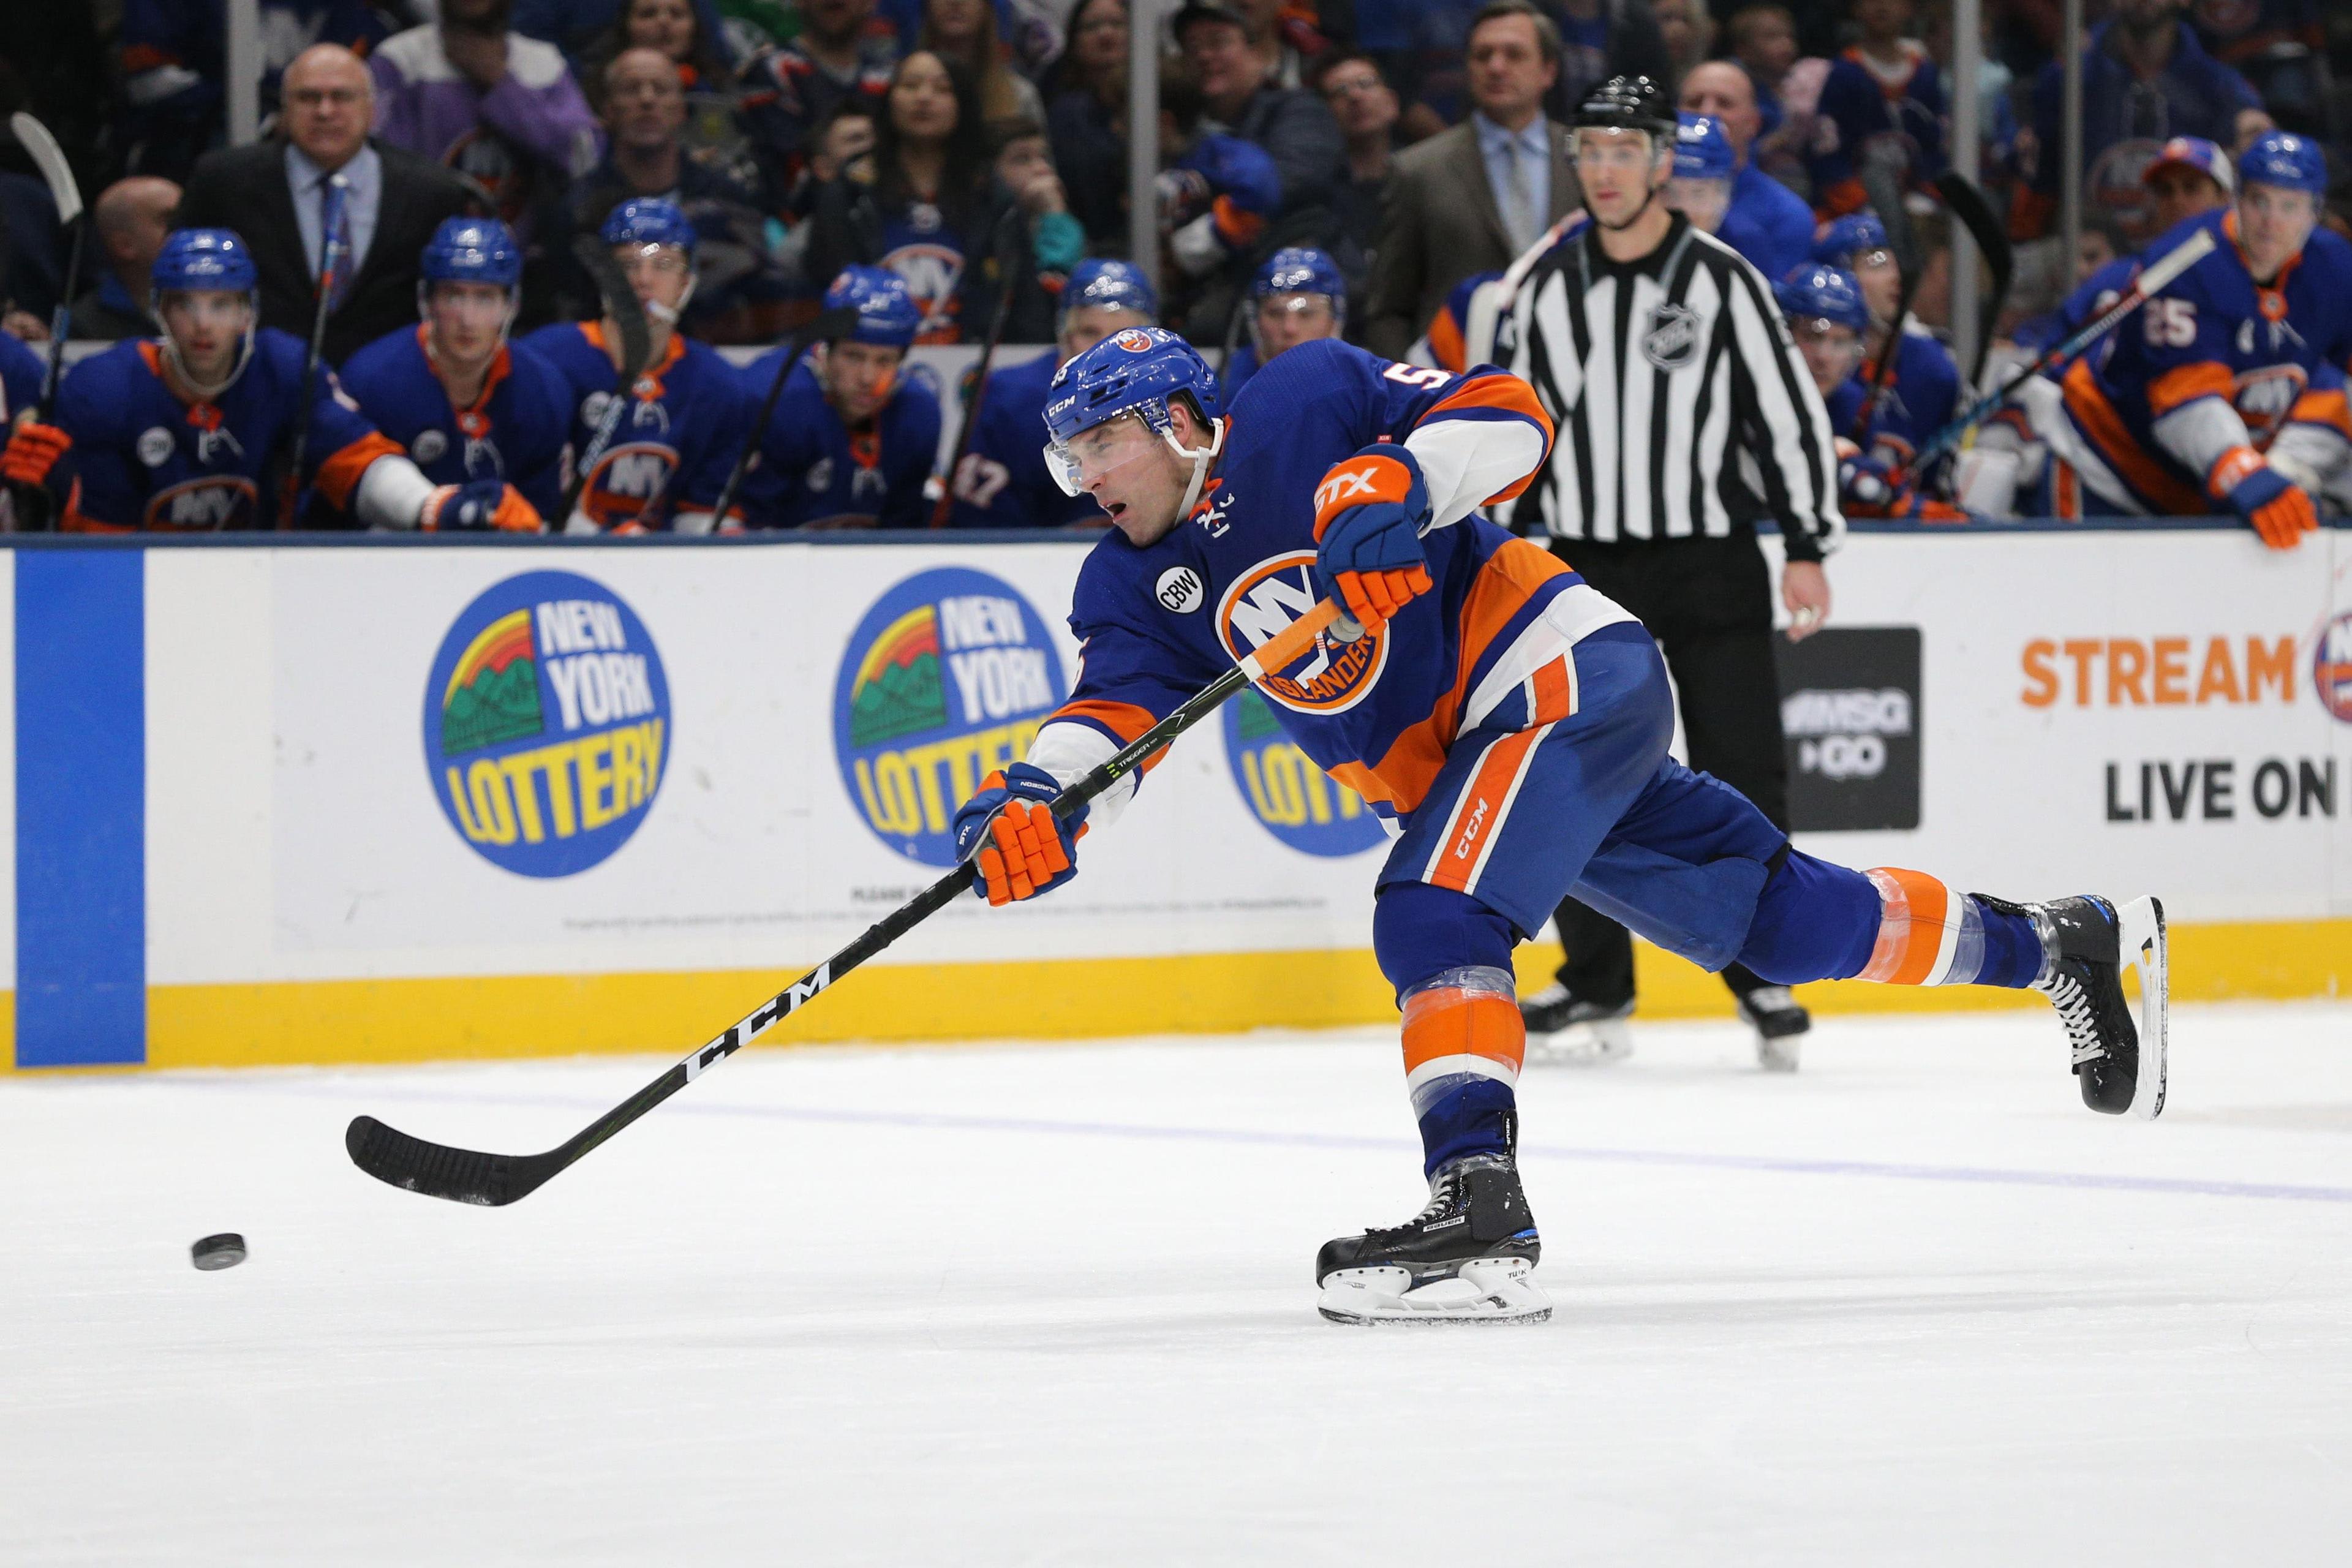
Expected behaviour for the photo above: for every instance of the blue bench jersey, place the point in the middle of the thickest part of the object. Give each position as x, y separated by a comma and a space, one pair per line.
1922, 392
143, 458
812, 466
515, 430
676, 444
2216, 361
1379, 715
20, 377
1004, 481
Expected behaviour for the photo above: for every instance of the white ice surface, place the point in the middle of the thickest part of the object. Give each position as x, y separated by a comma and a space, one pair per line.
1050, 1304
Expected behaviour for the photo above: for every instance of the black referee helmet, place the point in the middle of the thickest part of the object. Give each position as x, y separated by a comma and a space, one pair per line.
1627, 103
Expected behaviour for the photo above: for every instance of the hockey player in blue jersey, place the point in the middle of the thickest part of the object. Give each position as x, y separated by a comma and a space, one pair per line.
852, 441
2228, 386
1508, 721
1298, 296
1002, 481
1882, 105
686, 415
465, 402
1706, 171
191, 431
1824, 309
1923, 384
21, 371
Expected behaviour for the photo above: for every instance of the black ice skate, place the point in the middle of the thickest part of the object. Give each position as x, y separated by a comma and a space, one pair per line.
1780, 1026
1564, 1029
2086, 944
1469, 1256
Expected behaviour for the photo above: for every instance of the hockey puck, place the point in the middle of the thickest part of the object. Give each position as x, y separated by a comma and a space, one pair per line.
225, 1251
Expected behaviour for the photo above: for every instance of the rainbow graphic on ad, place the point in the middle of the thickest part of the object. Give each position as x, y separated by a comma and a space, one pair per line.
547, 723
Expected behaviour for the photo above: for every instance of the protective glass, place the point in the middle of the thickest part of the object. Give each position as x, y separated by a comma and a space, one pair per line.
1097, 451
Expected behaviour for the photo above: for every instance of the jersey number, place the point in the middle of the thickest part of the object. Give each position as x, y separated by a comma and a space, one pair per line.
1416, 375
2170, 323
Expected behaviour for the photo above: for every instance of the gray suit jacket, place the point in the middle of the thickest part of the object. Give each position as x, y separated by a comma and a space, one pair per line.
1439, 224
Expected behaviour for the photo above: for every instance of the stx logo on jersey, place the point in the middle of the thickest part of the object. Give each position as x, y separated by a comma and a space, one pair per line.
1265, 599
546, 724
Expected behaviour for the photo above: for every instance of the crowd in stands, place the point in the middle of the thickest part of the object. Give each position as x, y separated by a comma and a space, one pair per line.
878, 175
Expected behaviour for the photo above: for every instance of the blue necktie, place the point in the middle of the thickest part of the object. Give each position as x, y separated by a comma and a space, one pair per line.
335, 239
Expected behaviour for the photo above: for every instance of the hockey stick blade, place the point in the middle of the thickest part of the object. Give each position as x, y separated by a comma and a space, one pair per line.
42, 148
492, 1181
438, 1171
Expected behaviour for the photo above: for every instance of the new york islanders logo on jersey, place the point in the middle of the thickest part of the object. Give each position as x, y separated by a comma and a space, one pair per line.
1269, 598
626, 480
546, 723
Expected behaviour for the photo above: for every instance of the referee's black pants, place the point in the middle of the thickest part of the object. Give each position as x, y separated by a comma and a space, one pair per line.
1709, 604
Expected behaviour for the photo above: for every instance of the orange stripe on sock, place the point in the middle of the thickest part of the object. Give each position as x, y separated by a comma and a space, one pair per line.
1912, 907
1451, 1022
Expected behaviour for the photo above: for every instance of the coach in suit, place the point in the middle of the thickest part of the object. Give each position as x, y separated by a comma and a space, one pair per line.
1472, 198
280, 197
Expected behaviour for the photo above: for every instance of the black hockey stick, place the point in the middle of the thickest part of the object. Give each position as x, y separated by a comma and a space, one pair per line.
2152, 280
1968, 204
31, 501
624, 311
1886, 200
946, 502
331, 258
828, 327
464, 1176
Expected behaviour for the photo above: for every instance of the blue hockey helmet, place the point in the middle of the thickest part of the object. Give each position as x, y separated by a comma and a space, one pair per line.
1856, 234
877, 297
473, 251
1102, 283
1816, 290
1131, 373
1702, 149
1300, 270
210, 258
2285, 159
205, 261
648, 220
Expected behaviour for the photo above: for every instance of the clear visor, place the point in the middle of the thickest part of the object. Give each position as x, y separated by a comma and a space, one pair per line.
662, 260
1827, 345
1098, 451
205, 309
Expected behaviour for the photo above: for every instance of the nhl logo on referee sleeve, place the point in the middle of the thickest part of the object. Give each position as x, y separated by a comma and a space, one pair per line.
1672, 340
1180, 591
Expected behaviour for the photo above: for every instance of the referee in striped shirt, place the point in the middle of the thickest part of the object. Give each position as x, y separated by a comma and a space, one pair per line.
1685, 414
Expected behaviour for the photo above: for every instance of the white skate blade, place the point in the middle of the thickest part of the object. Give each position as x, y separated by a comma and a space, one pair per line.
1490, 1290
1781, 1055
2140, 926
1601, 1043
